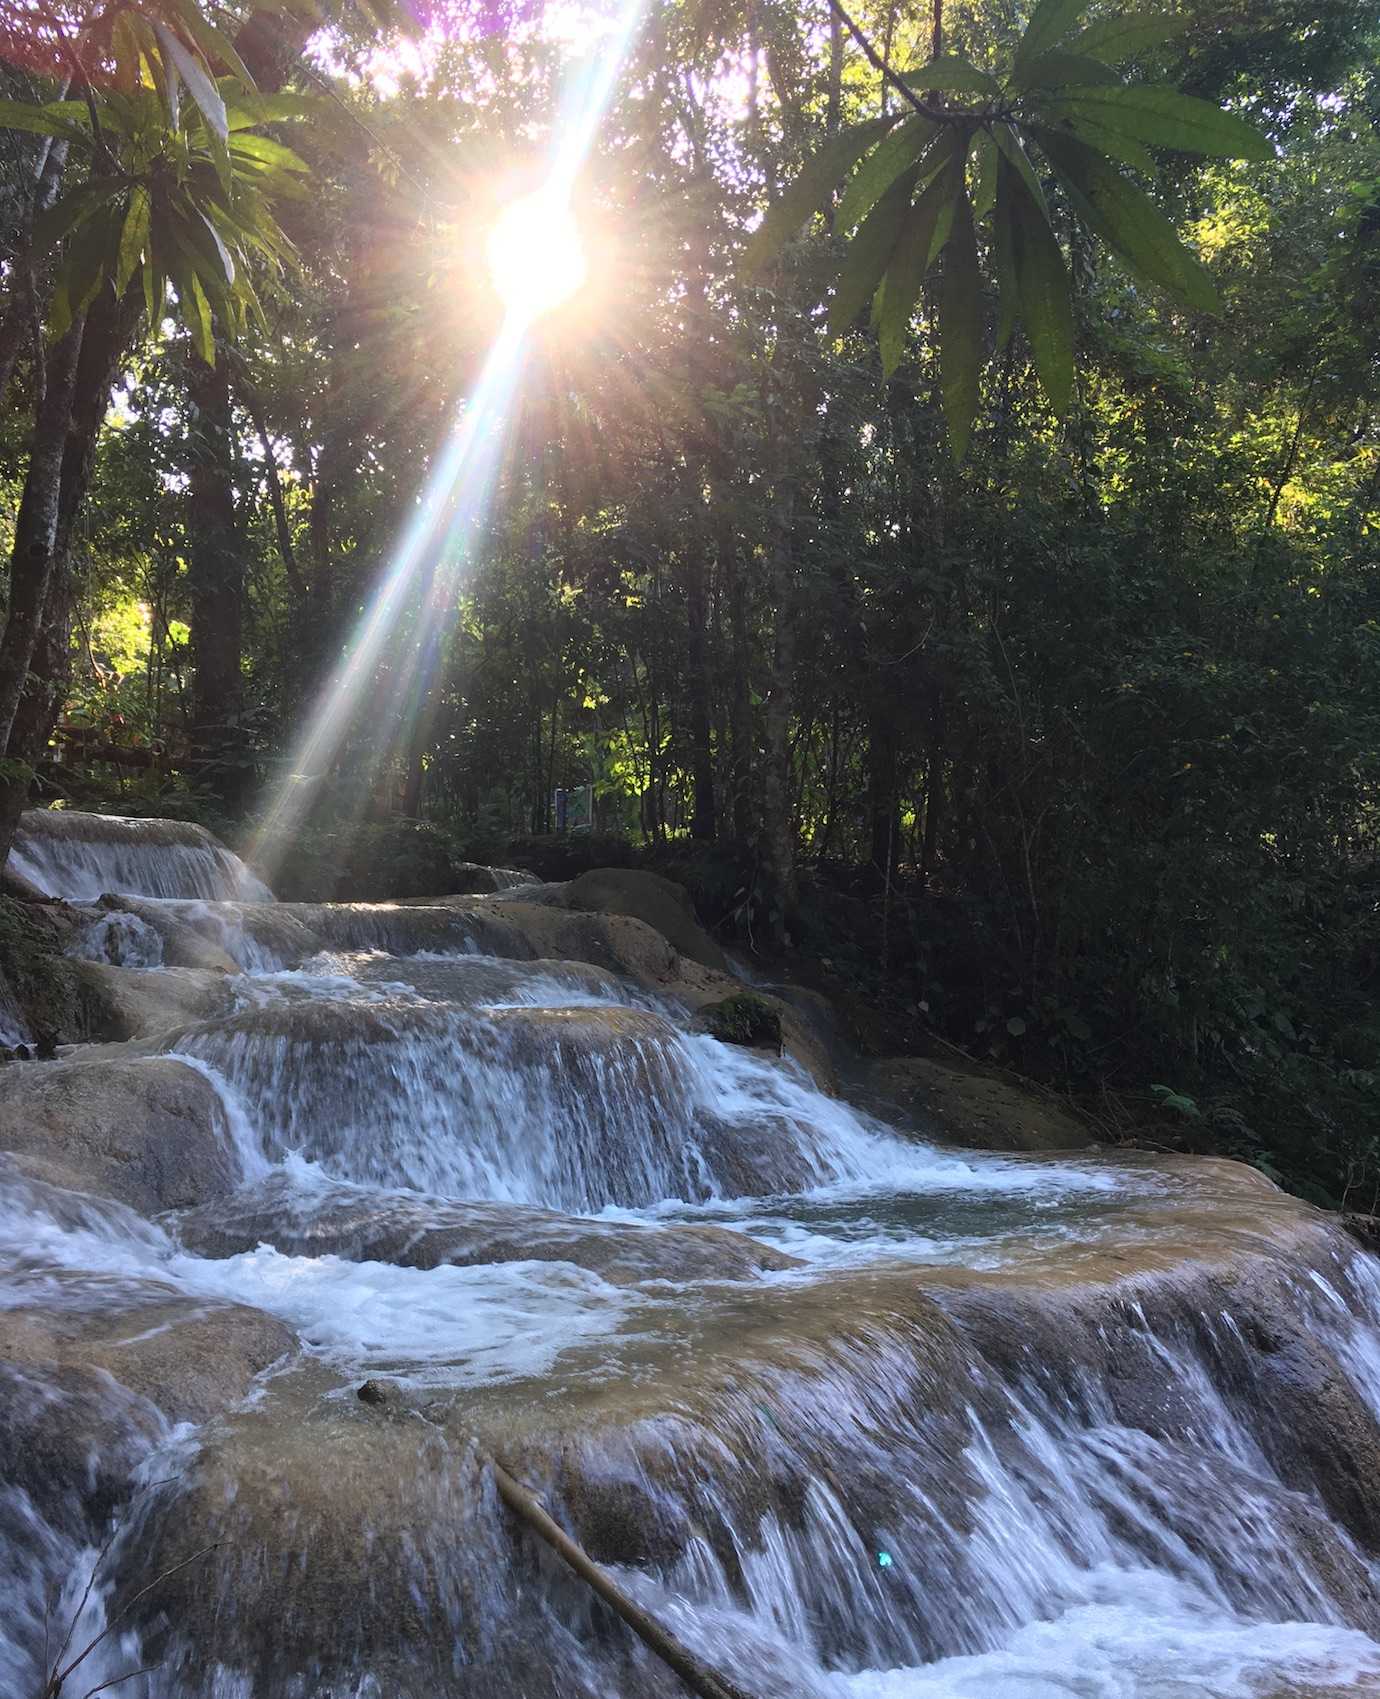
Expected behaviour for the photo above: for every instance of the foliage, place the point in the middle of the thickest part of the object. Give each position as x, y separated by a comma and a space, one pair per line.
174, 191
933, 176
1075, 743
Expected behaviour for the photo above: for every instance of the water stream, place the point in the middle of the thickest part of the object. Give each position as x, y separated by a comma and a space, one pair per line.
863, 1417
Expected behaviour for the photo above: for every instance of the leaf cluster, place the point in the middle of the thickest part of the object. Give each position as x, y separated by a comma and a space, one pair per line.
959, 178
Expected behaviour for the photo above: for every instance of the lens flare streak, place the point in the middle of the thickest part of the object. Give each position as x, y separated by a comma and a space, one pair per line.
438, 541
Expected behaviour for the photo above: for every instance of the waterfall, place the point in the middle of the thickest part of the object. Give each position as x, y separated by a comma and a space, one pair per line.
82, 856
859, 1416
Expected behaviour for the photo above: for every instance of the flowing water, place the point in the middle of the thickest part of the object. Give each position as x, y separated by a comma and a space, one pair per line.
860, 1416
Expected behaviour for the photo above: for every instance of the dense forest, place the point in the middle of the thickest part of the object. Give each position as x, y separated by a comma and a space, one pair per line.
1058, 742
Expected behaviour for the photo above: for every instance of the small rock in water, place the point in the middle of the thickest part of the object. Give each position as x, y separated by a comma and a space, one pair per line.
371, 1393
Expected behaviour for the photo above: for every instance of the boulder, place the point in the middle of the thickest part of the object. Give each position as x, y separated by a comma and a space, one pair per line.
969, 1107
147, 1131
191, 1358
660, 902
93, 1379
744, 1018
127, 1003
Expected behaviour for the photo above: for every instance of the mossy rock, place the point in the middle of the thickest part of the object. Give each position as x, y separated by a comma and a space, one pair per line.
743, 1019
37, 982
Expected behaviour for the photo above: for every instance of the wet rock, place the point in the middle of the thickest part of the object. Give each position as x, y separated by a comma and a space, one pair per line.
970, 1107
129, 1003
42, 1001
92, 1376
744, 1018
662, 903
418, 1232
149, 1132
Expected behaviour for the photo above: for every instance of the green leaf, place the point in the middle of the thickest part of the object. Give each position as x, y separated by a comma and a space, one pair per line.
1004, 265
214, 43
882, 167
1109, 142
817, 177
1010, 145
201, 85
1016, 1026
1121, 37
1050, 22
85, 267
195, 310
265, 151
960, 327
56, 118
1042, 287
952, 73
155, 289
985, 188
1058, 70
133, 238
75, 207
926, 230
1165, 118
246, 110
869, 253
1129, 221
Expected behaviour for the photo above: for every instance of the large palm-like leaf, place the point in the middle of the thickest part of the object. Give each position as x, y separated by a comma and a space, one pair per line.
179, 188
1058, 112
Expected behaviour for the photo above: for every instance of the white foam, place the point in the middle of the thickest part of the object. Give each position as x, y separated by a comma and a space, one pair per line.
446, 1325
1139, 1635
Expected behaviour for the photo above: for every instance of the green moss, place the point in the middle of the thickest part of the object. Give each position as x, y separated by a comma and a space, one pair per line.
743, 1018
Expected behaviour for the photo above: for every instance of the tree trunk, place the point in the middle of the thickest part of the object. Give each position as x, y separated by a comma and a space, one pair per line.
740, 691
884, 827
777, 839
36, 529
215, 579
81, 371
704, 819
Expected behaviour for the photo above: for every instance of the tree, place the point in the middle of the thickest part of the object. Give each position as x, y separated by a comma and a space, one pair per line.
172, 192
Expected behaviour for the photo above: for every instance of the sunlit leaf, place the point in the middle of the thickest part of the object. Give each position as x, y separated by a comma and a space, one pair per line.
881, 167
201, 85
1119, 38
265, 151
57, 118
1042, 287
1050, 22
133, 238
960, 327
1129, 221
952, 73
869, 253
818, 177
1163, 117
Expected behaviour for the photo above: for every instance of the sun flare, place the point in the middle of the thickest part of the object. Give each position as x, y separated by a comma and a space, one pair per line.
536, 256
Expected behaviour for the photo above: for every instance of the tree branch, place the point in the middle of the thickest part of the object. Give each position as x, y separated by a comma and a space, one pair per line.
937, 114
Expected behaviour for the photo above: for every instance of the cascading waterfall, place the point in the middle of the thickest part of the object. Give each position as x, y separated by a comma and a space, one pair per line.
82, 856
858, 1416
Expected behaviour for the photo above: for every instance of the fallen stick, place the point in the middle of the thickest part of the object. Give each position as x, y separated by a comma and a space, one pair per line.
693, 1671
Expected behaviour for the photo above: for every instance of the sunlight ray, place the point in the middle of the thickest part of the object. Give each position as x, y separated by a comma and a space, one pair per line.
437, 543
